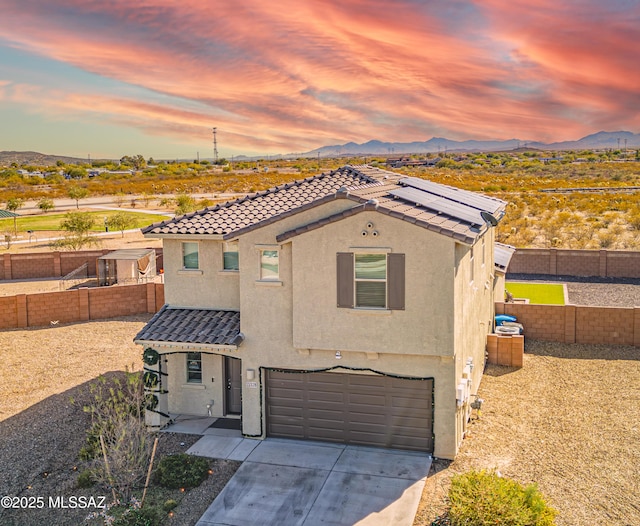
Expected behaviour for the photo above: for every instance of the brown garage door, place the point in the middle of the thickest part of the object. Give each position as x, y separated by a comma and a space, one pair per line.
351, 408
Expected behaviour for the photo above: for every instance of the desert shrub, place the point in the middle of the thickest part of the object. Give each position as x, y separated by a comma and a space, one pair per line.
85, 479
185, 204
182, 471
117, 415
139, 517
482, 498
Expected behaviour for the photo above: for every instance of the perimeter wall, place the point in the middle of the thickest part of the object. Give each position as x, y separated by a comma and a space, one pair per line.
54, 264
587, 263
83, 304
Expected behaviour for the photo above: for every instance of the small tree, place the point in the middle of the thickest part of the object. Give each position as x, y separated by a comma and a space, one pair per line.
185, 204
45, 204
77, 226
121, 221
117, 415
77, 193
77, 172
14, 204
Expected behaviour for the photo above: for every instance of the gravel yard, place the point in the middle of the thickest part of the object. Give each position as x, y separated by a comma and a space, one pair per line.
569, 420
44, 384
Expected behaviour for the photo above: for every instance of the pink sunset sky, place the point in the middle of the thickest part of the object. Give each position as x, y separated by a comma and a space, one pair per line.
155, 76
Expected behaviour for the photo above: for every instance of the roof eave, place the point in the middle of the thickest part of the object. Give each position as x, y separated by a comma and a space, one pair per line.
187, 345
216, 237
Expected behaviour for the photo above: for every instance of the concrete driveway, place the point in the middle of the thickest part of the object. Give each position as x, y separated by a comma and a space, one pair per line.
292, 482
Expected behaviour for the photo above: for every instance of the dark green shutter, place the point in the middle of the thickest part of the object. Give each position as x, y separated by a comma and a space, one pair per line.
344, 278
395, 281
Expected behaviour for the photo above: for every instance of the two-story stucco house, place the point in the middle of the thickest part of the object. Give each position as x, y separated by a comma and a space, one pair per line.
352, 307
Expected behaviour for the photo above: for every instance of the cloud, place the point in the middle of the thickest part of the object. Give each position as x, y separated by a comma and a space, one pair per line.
301, 74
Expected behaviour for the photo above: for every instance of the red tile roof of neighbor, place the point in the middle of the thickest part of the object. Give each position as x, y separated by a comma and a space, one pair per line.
439, 208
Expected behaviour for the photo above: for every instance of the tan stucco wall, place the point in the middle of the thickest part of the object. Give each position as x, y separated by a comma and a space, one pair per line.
499, 287
474, 314
207, 287
426, 324
192, 399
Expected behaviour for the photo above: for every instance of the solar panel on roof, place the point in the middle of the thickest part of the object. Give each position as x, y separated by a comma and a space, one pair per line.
439, 204
481, 202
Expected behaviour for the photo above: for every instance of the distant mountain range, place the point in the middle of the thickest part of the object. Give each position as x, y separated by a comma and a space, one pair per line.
35, 158
597, 141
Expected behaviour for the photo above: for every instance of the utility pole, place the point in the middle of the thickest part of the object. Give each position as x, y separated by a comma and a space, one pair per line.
215, 147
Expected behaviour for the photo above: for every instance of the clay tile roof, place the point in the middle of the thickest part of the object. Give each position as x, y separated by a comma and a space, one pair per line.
456, 213
203, 326
262, 207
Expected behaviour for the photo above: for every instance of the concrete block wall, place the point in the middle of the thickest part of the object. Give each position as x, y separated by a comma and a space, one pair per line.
623, 264
70, 261
28, 266
577, 324
9, 309
55, 264
605, 325
531, 261
559, 262
44, 308
111, 302
541, 322
36, 310
505, 350
578, 262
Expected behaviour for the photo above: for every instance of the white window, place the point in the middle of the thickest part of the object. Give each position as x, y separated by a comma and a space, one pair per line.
230, 256
371, 280
269, 269
190, 255
194, 367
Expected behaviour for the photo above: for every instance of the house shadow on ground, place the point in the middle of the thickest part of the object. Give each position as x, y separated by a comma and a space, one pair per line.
39, 455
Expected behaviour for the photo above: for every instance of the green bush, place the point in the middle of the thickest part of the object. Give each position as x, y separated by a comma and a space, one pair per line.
85, 479
182, 471
169, 504
139, 517
483, 498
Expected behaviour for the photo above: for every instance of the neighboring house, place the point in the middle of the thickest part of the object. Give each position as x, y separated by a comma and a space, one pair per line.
352, 306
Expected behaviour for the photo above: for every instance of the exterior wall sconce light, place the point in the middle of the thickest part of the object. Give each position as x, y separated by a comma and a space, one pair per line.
251, 374
338, 355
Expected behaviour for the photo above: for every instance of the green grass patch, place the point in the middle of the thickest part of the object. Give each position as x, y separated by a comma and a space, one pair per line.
52, 221
540, 293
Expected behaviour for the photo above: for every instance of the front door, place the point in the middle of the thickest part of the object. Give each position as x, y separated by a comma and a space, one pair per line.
233, 391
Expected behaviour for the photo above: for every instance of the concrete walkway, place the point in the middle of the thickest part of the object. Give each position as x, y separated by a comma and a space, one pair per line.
294, 482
